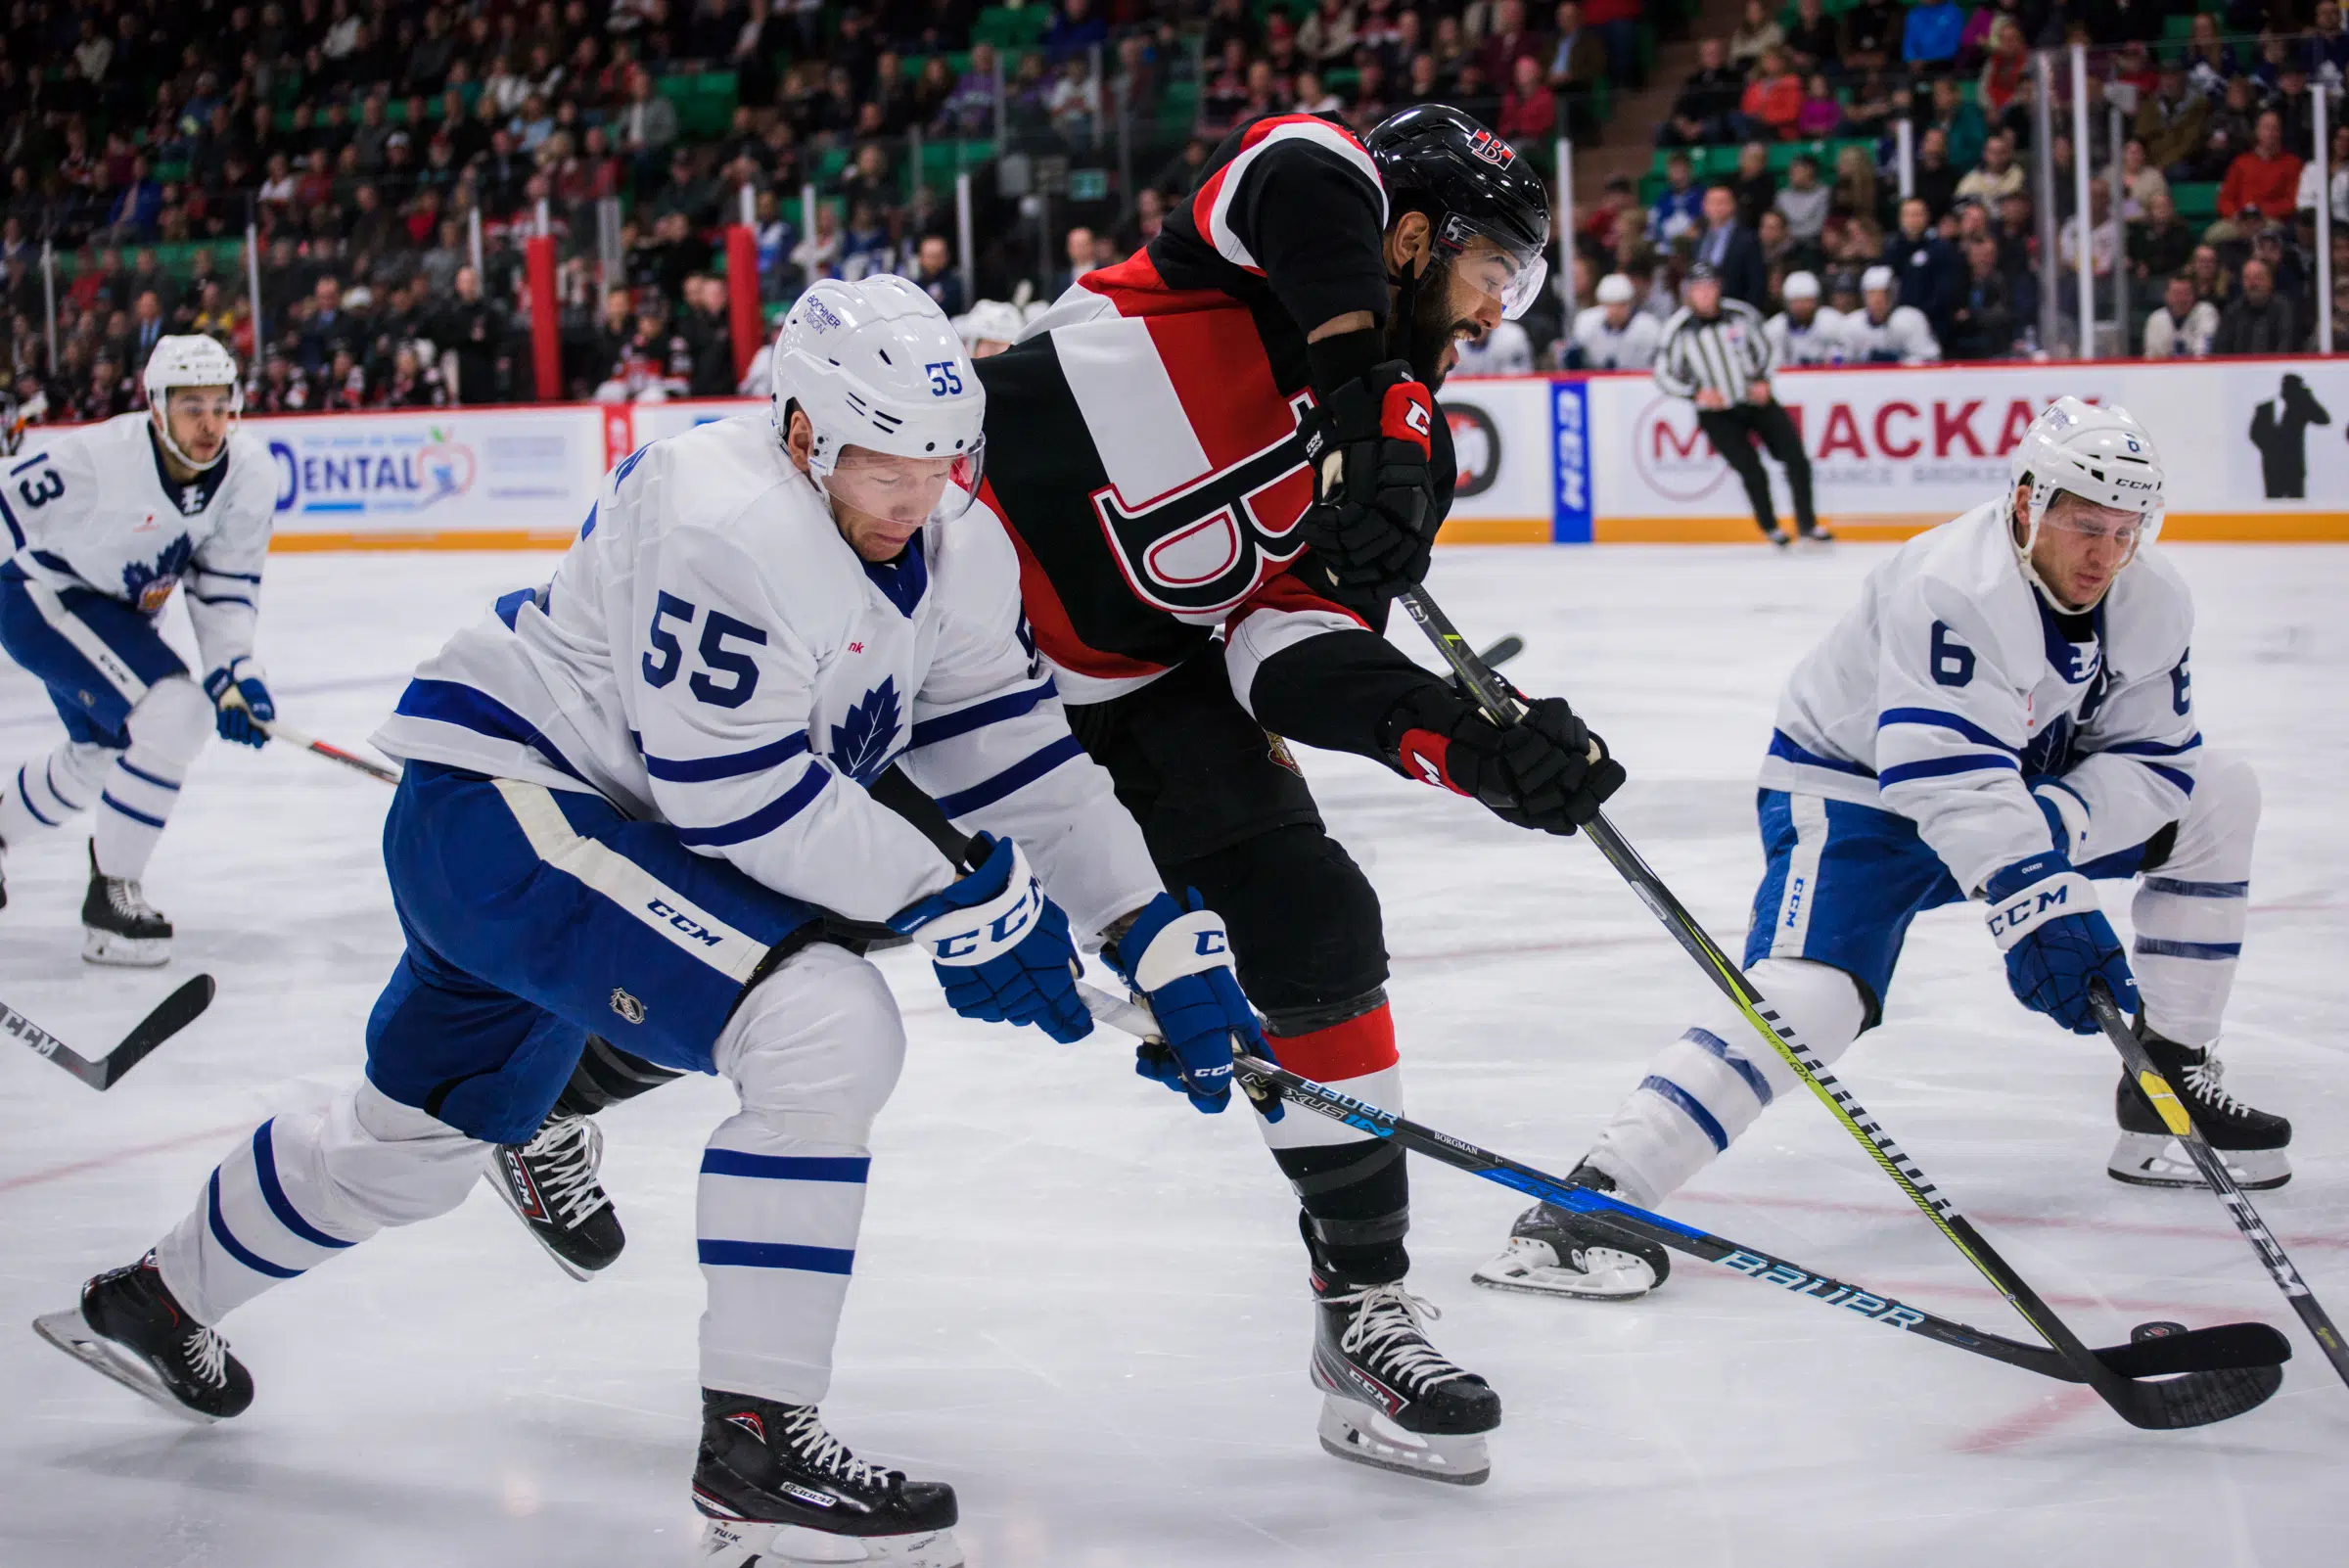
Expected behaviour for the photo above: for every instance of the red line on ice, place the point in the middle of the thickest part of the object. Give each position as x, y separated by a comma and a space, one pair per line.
34, 1179
2044, 1415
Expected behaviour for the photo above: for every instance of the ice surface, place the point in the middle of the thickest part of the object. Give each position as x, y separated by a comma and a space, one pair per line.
1084, 1305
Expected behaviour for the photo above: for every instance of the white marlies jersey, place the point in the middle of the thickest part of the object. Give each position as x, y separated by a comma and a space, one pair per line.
711, 654
1903, 338
1818, 344
1605, 347
92, 508
1952, 686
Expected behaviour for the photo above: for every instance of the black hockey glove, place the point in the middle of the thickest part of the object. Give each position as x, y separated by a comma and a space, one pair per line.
1547, 771
1374, 516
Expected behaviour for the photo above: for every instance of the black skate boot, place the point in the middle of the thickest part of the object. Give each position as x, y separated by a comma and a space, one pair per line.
130, 1328
551, 1184
1777, 537
118, 926
1558, 1252
1394, 1400
1817, 534
2251, 1143
779, 1490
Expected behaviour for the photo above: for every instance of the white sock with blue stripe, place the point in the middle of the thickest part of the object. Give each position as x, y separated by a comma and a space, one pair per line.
2190, 910
1706, 1087
45, 794
776, 1228
307, 1186
166, 730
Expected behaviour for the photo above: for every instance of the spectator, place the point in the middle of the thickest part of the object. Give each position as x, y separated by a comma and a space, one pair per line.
2337, 166
2261, 321
2184, 327
1618, 23
1813, 40
2159, 245
1756, 187
1702, 112
1074, 31
471, 334
935, 275
1999, 91
1997, 177
1772, 102
1931, 274
1804, 202
2211, 283
1854, 195
1982, 325
2264, 180
1961, 123
2209, 64
1871, 34
1757, 30
1679, 206
648, 126
1509, 41
2232, 126
2140, 179
1929, 37
1730, 248
1529, 114
2327, 47
1936, 182
1577, 63
1822, 116
2173, 120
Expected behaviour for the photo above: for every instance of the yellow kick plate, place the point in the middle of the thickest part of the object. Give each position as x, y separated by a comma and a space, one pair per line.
2172, 1115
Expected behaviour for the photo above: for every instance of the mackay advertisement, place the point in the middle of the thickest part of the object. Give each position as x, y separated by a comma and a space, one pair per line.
2255, 449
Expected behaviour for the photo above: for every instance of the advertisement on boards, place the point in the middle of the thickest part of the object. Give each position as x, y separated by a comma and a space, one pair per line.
515, 476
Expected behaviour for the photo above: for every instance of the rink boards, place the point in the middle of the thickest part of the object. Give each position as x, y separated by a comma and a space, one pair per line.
2256, 450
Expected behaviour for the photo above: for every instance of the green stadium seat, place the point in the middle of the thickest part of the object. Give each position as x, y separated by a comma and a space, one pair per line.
1011, 27
2195, 200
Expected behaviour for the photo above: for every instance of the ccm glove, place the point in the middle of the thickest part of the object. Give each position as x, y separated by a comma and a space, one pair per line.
1547, 771
1177, 956
2045, 917
1374, 515
241, 701
1000, 947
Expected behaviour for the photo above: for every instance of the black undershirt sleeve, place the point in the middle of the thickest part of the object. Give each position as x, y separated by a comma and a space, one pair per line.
1311, 218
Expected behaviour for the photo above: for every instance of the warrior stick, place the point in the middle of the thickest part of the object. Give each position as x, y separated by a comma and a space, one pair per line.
2172, 1111
2210, 1374
2139, 1403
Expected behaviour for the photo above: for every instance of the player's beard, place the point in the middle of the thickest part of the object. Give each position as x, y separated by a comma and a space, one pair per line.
1422, 334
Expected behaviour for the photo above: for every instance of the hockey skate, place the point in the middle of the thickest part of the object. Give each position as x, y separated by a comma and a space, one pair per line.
1557, 1252
550, 1184
118, 926
2251, 1143
130, 1329
1391, 1398
780, 1491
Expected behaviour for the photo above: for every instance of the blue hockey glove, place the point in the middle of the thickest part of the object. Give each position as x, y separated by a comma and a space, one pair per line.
1000, 947
2045, 917
238, 698
1177, 955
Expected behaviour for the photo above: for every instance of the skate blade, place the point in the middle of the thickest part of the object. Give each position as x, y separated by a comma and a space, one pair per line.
124, 953
2157, 1159
1354, 1431
71, 1333
740, 1544
1531, 1268
496, 1180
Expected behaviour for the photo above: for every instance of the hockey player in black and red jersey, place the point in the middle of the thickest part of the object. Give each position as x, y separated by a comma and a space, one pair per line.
1218, 461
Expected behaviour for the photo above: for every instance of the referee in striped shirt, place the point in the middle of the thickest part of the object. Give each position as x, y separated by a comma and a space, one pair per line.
1716, 355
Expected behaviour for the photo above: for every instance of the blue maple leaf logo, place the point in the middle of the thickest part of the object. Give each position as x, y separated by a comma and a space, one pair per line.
145, 581
861, 742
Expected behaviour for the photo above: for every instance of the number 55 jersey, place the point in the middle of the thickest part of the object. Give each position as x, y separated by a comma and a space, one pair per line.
711, 654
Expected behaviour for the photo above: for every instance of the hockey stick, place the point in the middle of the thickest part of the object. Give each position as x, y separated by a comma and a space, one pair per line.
2138, 1404
177, 1011
2166, 1104
279, 729
2212, 1374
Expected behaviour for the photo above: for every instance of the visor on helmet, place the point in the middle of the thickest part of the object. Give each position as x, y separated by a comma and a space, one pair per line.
906, 490
1507, 268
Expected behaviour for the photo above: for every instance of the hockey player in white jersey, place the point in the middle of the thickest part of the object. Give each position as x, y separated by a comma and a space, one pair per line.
634, 804
1615, 334
2006, 715
1805, 331
1883, 333
104, 521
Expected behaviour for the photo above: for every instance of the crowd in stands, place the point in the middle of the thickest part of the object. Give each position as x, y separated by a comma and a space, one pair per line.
369, 142
1778, 161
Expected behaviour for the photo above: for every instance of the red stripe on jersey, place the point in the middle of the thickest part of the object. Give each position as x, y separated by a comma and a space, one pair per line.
1133, 286
1285, 593
1216, 364
1352, 1049
1050, 619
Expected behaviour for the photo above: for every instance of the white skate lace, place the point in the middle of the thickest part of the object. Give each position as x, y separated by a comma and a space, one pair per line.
819, 1450
208, 1354
1391, 1323
562, 1158
126, 897
2202, 1081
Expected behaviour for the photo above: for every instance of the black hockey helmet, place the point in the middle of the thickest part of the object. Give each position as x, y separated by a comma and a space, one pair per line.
1435, 160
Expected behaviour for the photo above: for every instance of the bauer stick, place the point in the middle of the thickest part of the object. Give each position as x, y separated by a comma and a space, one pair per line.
174, 1013
2138, 1404
2209, 1373
279, 729
2171, 1110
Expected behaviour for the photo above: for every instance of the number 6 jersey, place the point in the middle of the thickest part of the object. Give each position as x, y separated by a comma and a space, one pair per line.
711, 654
93, 508
1952, 686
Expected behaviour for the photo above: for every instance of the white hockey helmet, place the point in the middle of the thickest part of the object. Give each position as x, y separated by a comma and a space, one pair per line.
189, 359
2102, 455
875, 364
1614, 289
1800, 286
992, 321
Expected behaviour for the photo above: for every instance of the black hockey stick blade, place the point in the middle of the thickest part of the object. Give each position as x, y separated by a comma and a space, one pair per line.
2158, 1092
176, 1012
1504, 650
